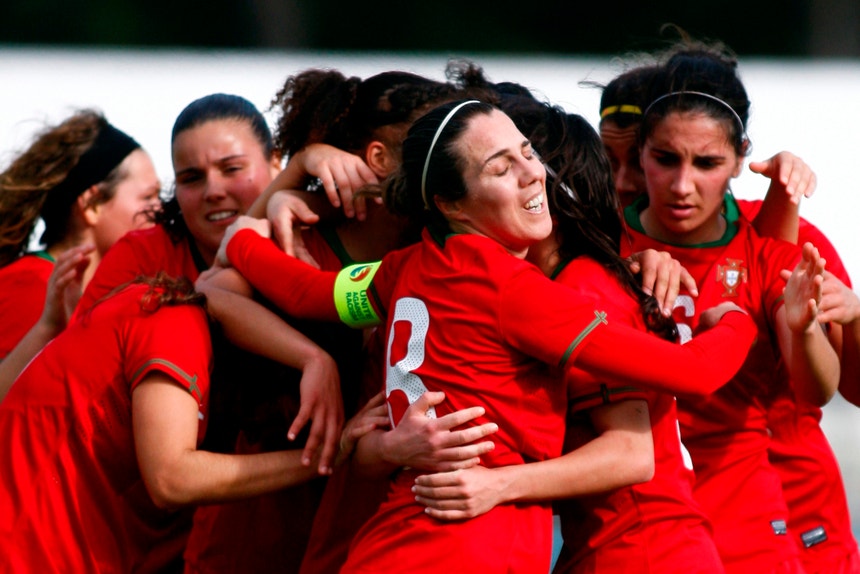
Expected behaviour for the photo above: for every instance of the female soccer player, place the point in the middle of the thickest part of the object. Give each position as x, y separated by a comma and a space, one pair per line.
483, 183
693, 142
812, 484
90, 183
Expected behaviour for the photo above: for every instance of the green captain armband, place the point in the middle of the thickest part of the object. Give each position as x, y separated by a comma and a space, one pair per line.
350, 295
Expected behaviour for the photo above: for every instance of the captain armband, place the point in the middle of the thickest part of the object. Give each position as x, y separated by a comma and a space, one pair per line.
350, 295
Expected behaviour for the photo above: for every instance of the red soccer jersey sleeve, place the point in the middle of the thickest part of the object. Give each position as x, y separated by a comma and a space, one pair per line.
23, 285
72, 498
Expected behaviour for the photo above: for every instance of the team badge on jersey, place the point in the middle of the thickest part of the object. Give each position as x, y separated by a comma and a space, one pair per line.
731, 275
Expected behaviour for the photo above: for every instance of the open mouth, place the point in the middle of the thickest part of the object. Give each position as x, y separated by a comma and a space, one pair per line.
535, 204
221, 215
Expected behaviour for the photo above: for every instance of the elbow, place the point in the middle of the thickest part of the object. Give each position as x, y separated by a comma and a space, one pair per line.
642, 468
168, 492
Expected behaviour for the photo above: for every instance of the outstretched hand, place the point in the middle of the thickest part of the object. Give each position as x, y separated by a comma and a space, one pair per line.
65, 286
803, 290
322, 405
789, 172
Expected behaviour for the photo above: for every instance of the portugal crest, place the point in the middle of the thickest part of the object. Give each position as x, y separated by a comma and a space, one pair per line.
731, 275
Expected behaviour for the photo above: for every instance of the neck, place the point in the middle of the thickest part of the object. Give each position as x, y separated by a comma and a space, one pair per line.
380, 233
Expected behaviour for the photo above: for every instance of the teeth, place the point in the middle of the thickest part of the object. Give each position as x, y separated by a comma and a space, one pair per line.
535, 203
220, 215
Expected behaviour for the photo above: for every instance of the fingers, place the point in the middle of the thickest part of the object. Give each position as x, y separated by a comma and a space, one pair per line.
285, 212
791, 172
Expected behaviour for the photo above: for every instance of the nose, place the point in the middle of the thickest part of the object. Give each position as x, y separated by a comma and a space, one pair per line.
215, 188
533, 170
623, 181
682, 180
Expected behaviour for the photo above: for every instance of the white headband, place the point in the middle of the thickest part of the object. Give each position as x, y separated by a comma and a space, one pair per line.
703, 95
433, 144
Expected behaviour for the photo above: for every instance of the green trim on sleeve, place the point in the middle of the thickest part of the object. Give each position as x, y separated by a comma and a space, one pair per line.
599, 319
351, 295
191, 380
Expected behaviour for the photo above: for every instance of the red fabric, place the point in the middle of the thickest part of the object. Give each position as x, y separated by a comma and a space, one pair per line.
143, 252
349, 499
651, 528
71, 495
727, 432
23, 286
477, 348
806, 232
811, 480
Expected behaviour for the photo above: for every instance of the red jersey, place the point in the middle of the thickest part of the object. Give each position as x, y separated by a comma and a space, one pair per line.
819, 519
141, 252
727, 432
23, 285
71, 495
465, 317
648, 528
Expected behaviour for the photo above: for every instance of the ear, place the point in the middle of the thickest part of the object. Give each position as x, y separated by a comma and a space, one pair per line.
88, 207
275, 164
378, 158
744, 149
451, 210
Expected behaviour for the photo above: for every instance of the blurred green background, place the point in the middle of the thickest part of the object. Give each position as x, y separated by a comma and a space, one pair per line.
796, 28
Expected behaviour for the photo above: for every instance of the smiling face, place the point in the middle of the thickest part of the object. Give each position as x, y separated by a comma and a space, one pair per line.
622, 147
506, 185
688, 163
220, 168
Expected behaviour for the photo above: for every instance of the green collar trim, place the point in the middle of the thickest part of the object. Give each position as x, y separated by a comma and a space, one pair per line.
731, 212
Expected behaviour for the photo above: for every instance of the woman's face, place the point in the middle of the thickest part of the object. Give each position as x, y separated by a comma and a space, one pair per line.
220, 169
688, 162
622, 147
136, 194
505, 183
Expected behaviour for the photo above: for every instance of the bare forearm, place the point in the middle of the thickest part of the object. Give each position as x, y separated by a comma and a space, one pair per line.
200, 477
369, 457
779, 217
814, 366
254, 328
606, 463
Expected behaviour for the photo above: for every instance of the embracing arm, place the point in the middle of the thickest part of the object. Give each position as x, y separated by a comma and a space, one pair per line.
252, 327
425, 443
294, 286
164, 417
622, 454
701, 366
